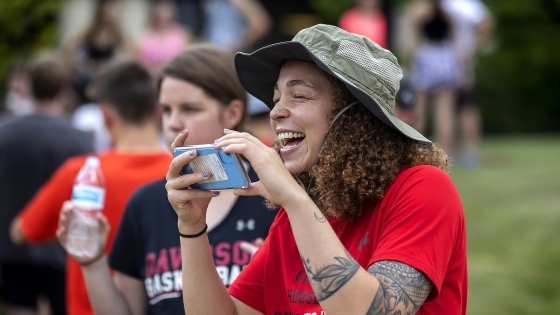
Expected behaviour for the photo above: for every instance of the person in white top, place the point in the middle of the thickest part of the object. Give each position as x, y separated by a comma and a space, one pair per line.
473, 24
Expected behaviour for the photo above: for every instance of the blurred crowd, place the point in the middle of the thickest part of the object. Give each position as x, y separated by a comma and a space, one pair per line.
438, 42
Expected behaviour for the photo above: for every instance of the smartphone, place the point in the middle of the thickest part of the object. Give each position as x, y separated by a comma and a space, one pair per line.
227, 169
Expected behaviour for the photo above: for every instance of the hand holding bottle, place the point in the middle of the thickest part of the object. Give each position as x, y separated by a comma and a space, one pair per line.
88, 199
66, 215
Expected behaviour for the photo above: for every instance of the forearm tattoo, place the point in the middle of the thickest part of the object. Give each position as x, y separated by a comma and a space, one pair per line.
403, 289
320, 217
327, 280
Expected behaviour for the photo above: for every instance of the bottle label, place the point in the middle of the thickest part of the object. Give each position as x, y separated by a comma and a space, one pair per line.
88, 197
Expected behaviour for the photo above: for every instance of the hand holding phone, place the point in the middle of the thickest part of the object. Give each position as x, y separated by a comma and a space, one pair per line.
227, 169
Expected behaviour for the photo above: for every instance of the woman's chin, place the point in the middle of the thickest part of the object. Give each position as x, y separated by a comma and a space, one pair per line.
296, 167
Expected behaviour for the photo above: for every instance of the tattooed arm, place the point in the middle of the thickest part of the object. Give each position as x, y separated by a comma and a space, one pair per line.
403, 289
341, 285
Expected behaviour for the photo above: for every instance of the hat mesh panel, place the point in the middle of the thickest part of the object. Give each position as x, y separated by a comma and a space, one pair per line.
382, 68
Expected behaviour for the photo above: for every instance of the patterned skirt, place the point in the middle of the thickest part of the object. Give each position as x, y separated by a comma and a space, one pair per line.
435, 66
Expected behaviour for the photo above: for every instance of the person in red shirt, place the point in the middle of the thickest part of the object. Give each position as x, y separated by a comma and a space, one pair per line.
366, 19
127, 98
370, 222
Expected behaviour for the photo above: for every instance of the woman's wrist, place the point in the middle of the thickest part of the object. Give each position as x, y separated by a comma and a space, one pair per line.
296, 200
93, 261
190, 229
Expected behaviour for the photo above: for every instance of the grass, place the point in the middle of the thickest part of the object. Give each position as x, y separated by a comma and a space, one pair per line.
512, 205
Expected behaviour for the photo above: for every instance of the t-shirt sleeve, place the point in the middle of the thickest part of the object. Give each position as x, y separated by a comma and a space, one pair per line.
422, 224
39, 218
124, 256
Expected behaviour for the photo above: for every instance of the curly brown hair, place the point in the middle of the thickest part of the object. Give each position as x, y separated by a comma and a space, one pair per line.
361, 156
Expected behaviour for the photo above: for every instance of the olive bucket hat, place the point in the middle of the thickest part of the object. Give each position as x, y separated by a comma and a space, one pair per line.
371, 73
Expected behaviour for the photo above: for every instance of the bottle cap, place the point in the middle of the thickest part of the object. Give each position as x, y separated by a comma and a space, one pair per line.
92, 161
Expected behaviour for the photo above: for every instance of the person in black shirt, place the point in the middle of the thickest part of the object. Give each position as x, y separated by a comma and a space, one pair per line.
198, 91
32, 147
435, 70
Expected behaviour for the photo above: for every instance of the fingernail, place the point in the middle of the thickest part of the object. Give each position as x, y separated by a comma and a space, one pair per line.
223, 148
216, 192
205, 174
226, 130
191, 153
217, 140
182, 132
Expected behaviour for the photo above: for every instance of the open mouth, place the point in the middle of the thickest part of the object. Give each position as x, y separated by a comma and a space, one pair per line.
290, 139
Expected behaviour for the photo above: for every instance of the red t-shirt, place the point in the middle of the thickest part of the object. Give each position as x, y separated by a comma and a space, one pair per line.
420, 222
372, 26
123, 172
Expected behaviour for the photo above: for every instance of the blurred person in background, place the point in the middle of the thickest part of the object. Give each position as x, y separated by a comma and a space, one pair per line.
235, 24
367, 19
19, 100
405, 101
103, 42
435, 70
164, 38
198, 92
127, 98
258, 121
473, 25
32, 147
89, 119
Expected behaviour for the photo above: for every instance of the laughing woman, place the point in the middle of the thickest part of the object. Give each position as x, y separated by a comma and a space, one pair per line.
370, 222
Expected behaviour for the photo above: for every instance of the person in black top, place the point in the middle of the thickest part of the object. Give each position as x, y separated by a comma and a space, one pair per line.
435, 70
198, 91
32, 147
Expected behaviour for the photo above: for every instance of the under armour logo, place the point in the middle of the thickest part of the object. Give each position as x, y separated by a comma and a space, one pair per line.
249, 225
363, 241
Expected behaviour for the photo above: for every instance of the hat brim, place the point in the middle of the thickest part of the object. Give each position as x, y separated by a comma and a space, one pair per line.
259, 71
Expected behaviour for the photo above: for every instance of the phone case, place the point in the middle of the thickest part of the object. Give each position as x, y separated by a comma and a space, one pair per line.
228, 171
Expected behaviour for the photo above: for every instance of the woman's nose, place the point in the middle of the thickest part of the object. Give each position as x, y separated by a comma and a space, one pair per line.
279, 111
175, 123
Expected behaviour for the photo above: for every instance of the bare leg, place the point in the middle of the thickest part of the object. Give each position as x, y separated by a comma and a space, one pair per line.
470, 132
444, 119
420, 109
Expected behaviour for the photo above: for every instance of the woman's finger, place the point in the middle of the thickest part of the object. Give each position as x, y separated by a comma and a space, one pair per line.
184, 181
252, 190
182, 196
180, 139
176, 165
230, 134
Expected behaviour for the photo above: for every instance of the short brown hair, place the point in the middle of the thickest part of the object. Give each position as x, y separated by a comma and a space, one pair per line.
210, 68
48, 77
128, 88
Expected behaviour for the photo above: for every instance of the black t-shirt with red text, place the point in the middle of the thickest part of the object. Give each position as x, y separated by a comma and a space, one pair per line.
147, 245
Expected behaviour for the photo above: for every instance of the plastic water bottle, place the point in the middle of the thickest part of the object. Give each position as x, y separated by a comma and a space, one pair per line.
88, 198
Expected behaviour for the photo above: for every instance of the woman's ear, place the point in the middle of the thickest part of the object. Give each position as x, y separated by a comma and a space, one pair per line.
108, 115
233, 114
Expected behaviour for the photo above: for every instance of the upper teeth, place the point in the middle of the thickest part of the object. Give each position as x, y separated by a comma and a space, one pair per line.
290, 135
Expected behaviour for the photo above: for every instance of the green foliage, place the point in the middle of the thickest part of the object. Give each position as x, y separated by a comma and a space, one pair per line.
331, 9
518, 82
26, 26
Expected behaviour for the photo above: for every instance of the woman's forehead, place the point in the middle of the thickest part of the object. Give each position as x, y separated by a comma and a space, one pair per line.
297, 71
